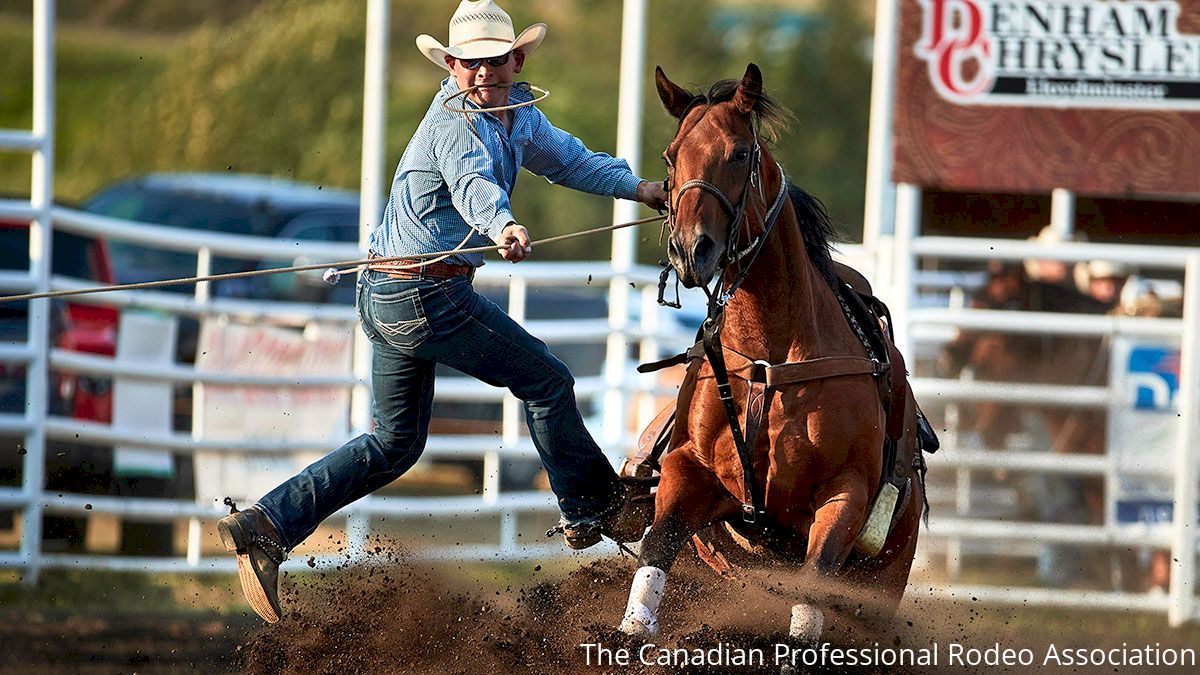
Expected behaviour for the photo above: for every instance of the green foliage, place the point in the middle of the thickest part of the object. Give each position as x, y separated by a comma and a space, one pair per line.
825, 81
143, 15
278, 92
275, 87
91, 67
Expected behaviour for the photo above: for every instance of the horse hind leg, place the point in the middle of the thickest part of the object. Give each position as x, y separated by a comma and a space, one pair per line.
689, 498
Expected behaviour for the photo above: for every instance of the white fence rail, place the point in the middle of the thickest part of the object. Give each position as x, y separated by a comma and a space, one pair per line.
962, 469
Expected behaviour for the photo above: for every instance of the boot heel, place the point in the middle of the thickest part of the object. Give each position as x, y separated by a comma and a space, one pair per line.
232, 536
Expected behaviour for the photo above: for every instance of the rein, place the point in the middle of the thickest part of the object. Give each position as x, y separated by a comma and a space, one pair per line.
753, 503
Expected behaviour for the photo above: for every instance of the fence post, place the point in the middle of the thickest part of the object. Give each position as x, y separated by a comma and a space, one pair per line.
624, 242
41, 199
1183, 524
203, 297
370, 210
646, 397
511, 416
908, 227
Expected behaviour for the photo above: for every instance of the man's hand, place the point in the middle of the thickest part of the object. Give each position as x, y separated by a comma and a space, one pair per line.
515, 240
652, 194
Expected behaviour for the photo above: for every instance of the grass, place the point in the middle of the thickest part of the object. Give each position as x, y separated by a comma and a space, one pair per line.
94, 591
92, 66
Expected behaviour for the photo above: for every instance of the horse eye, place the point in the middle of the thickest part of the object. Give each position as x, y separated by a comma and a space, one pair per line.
739, 155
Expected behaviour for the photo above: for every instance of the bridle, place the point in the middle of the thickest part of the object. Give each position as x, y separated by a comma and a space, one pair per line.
732, 255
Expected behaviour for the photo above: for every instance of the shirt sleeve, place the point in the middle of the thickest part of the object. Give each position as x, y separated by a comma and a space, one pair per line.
561, 158
468, 170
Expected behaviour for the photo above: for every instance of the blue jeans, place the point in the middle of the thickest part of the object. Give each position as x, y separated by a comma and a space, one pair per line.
413, 324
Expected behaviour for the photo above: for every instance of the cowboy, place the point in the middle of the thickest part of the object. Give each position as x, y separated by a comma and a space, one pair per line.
451, 190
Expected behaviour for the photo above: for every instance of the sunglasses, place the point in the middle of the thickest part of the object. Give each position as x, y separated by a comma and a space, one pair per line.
494, 62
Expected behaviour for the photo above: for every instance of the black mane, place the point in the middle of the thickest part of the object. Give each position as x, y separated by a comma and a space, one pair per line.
815, 226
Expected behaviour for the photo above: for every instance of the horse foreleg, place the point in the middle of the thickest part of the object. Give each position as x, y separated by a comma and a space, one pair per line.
689, 497
839, 516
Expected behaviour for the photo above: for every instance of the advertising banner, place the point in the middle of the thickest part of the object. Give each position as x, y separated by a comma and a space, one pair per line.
1097, 96
240, 413
1143, 425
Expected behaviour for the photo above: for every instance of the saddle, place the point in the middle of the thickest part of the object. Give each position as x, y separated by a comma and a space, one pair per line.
870, 319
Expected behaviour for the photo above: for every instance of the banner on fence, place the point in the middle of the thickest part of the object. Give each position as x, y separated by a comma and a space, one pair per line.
144, 339
1143, 425
273, 413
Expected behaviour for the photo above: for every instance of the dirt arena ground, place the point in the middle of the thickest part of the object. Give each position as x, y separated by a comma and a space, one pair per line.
398, 617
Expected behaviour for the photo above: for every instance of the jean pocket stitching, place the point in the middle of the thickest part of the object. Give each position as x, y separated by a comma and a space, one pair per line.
406, 328
402, 327
397, 297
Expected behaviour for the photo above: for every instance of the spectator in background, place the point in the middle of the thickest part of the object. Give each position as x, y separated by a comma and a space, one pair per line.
1101, 279
1051, 271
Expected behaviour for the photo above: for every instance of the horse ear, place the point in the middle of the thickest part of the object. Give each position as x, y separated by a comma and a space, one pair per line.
749, 91
674, 98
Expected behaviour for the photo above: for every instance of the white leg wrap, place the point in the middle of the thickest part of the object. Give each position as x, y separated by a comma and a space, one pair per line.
807, 623
641, 613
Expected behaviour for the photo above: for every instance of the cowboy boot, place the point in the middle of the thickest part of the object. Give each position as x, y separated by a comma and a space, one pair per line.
625, 520
260, 552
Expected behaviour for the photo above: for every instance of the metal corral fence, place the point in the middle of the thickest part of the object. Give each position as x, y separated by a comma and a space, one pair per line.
618, 386
912, 260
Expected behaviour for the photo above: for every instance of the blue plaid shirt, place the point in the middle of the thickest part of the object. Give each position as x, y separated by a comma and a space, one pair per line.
450, 180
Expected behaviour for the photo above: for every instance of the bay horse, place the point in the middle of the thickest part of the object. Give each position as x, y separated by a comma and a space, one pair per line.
797, 488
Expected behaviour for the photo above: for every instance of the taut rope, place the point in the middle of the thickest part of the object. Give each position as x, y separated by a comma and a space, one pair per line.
333, 270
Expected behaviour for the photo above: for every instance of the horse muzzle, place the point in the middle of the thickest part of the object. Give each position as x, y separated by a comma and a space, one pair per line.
695, 261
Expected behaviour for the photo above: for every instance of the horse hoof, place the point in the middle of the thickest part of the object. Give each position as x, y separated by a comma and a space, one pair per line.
807, 624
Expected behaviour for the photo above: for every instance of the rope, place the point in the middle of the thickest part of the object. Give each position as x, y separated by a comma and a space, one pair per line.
337, 268
467, 112
543, 95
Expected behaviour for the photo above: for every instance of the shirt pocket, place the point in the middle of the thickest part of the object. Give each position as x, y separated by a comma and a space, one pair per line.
399, 318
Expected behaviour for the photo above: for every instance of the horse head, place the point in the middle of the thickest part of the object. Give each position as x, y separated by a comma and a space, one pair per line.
715, 169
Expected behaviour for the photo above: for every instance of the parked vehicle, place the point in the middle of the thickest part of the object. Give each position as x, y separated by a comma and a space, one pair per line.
233, 204
73, 326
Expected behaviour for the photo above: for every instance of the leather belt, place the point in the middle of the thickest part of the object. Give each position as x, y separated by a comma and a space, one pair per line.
437, 270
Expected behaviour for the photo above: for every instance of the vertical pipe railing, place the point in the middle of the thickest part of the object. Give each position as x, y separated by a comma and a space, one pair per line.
370, 210
512, 408
648, 351
1183, 541
374, 148
908, 227
880, 193
624, 243
203, 297
41, 198
1062, 213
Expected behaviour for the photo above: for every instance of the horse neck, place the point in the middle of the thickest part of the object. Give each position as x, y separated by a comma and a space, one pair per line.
785, 310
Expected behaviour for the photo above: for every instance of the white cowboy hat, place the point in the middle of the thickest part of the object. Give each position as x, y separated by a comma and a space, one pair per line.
479, 29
